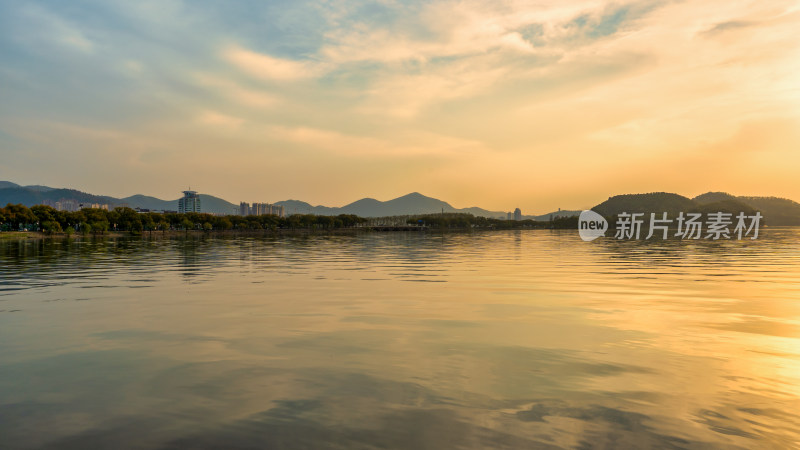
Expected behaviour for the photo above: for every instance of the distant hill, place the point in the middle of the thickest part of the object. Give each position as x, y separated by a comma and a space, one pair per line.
656, 202
209, 203
554, 215
480, 212
410, 204
147, 202
710, 197
214, 204
35, 195
776, 211
34, 187
300, 207
732, 206
414, 203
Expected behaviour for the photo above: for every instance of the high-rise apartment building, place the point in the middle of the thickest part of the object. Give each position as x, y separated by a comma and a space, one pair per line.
260, 209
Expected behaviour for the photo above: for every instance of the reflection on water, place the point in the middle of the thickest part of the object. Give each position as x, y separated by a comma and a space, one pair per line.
520, 339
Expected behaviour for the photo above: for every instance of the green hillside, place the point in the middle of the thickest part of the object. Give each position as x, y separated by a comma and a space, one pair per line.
29, 197
674, 204
776, 211
656, 202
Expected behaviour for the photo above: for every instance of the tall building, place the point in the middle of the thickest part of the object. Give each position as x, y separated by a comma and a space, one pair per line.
508, 215
190, 202
68, 205
517, 214
260, 209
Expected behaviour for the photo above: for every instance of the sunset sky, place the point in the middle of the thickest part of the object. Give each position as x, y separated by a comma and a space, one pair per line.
497, 104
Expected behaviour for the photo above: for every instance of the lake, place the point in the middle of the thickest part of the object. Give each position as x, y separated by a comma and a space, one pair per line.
517, 339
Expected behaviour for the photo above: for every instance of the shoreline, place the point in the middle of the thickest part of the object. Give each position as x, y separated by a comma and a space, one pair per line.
7, 236
38, 235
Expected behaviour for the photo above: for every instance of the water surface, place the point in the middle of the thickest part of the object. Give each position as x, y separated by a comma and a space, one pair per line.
518, 339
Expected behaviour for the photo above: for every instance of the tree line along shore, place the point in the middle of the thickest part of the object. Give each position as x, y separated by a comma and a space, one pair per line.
122, 220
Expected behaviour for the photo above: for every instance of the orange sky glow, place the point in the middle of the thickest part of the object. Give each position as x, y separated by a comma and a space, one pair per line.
537, 105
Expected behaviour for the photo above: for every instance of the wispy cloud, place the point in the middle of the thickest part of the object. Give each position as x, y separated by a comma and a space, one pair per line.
355, 146
236, 92
488, 90
42, 26
217, 119
268, 67
729, 25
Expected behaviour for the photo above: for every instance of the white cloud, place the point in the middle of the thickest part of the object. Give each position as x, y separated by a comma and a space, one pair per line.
219, 120
48, 26
268, 67
237, 93
405, 145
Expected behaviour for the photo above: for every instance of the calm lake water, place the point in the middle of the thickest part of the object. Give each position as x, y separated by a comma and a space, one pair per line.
519, 339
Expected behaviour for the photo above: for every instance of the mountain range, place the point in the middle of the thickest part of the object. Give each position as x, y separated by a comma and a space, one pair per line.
409, 204
414, 203
776, 211
36, 194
